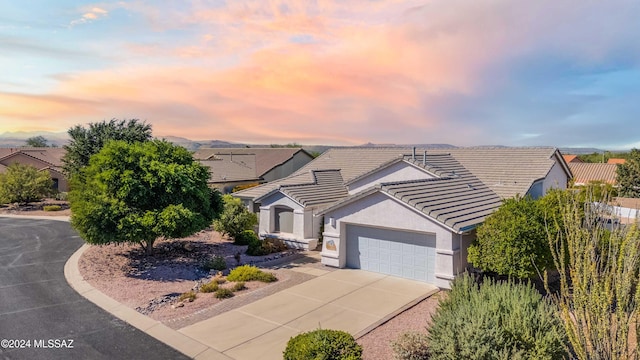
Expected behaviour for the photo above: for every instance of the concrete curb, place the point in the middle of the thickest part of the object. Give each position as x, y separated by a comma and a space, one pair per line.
186, 345
37, 217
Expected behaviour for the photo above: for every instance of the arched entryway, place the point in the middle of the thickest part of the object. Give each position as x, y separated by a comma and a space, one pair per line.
283, 219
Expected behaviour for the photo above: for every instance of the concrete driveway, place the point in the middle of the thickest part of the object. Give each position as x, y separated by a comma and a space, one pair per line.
351, 300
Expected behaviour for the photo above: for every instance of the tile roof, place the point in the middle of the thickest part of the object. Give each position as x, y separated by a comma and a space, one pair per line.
630, 203
224, 168
353, 162
326, 188
457, 199
259, 191
571, 158
2, 168
616, 161
51, 156
507, 171
583, 173
266, 158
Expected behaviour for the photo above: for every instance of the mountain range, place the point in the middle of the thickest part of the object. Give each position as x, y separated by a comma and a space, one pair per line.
18, 138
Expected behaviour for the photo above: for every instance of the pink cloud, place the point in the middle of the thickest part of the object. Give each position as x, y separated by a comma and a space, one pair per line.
362, 75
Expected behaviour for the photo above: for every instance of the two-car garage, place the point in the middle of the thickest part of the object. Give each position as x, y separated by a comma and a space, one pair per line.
389, 251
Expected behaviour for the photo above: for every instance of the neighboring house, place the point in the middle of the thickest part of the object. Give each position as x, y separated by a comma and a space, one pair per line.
616, 161
230, 167
397, 211
585, 173
43, 159
626, 209
571, 158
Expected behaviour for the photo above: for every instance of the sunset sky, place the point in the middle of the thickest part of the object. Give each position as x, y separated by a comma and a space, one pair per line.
342, 72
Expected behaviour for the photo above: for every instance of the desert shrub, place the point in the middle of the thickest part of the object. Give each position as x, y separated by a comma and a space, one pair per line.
274, 245
189, 296
52, 208
255, 248
246, 237
235, 218
223, 293
209, 287
411, 345
599, 295
238, 286
496, 321
250, 273
323, 344
24, 184
513, 240
217, 263
267, 246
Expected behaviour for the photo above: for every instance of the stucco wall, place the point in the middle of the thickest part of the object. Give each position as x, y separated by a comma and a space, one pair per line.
63, 184
380, 210
556, 179
305, 229
267, 217
289, 167
397, 172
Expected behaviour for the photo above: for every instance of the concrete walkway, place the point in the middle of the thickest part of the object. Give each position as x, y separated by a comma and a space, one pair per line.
355, 301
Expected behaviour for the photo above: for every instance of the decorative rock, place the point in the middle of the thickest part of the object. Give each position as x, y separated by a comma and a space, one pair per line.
178, 305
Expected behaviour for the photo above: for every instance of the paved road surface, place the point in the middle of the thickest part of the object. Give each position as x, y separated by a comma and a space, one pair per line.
37, 304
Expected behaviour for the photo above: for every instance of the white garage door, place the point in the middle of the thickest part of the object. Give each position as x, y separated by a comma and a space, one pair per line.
394, 252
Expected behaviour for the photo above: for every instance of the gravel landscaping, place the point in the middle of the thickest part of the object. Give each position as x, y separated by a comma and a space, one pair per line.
376, 344
153, 284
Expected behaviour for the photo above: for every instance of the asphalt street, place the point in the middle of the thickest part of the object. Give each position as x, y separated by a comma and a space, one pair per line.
42, 317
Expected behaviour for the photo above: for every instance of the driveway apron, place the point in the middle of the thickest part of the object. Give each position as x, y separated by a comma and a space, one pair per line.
355, 301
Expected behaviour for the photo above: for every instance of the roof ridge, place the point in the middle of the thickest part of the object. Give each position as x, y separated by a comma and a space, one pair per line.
26, 154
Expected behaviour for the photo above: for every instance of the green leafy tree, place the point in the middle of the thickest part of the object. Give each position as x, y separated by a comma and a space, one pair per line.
628, 176
603, 157
138, 192
513, 241
37, 141
86, 142
23, 184
235, 218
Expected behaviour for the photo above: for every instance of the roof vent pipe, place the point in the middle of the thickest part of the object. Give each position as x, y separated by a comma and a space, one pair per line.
424, 158
413, 154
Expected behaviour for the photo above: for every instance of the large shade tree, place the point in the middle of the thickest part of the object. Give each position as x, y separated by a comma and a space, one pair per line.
87, 141
139, 192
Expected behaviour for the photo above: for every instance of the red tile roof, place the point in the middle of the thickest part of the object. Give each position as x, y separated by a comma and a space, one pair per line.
584, 173
571, 158
616, 161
